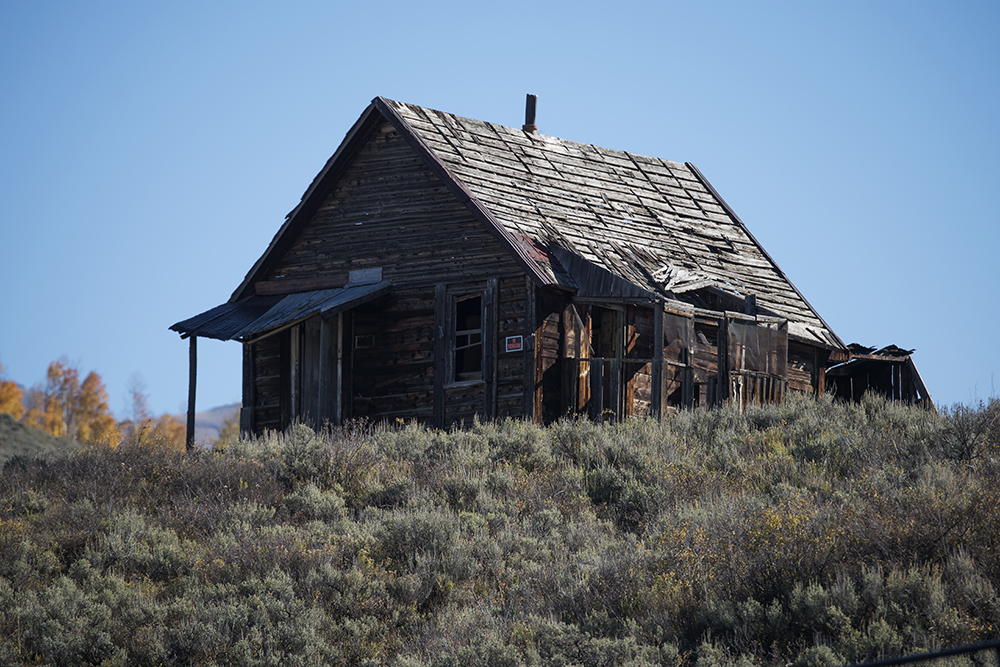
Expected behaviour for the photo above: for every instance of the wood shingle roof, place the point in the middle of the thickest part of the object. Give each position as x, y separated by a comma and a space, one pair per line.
655, 223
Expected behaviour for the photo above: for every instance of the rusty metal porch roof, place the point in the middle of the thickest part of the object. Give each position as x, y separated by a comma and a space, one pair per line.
261, 315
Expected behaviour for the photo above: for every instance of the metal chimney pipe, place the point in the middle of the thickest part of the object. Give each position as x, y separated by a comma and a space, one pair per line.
529, 114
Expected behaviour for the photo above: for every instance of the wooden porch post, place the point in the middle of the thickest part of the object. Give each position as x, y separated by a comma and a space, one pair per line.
530, 359
722, 347
323, 400
192, 382
441, 307
248, 420
656, 371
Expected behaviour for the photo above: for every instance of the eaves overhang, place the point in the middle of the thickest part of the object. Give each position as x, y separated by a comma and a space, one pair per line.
257, 317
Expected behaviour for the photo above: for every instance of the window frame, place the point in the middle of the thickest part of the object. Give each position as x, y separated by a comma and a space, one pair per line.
454, 335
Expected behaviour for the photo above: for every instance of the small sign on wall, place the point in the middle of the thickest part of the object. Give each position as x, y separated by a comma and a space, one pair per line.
514, 344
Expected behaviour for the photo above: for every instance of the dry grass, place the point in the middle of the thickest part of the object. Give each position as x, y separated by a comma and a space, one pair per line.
808, 533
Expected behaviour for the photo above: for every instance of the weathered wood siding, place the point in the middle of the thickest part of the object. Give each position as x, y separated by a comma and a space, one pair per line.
804, 371
548, 369
510, 365
706, 360
393, 357
389, 211
639, 344
267, 393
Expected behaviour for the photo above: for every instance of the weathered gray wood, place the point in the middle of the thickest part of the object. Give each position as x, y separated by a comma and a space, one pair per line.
247, 423
338, 399
292, 285
441, 308
530, 314
461, 190
490, 343
597, 389
656, 381
615, 397
722, 388
284, 385
192, 386
327, 390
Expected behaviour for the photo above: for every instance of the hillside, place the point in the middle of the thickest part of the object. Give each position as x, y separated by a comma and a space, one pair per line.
17, 439
808, 534
208, 423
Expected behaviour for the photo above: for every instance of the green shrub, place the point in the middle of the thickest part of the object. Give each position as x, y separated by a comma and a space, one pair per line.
809, 533
135, 549
311, 504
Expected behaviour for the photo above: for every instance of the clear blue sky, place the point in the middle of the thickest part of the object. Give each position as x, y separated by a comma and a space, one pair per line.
151, 150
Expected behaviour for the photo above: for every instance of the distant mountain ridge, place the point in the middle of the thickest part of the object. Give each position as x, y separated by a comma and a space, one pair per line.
208, 423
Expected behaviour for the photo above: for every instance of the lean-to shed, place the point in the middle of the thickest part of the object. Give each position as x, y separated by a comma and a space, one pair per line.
440, 267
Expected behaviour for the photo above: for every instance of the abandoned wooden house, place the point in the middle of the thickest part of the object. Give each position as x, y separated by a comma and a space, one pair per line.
439, 268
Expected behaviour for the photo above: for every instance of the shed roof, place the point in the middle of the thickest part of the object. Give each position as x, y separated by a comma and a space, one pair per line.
258, 315
655, 225
226, 321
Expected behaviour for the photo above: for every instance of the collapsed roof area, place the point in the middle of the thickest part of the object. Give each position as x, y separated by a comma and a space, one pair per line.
888, 372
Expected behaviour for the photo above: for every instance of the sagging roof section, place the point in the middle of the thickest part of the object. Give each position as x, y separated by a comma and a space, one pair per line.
251, 320
226, 321
657, 225
297, 307
638, 217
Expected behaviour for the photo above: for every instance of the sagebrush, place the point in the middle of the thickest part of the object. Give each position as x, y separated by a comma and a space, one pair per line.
813, 533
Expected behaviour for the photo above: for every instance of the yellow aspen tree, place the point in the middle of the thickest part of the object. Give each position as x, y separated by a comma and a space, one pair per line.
95, 422
170, 432
11, 397
66, 408
52, 412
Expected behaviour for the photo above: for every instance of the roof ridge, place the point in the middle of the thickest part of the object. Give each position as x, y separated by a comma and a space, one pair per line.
461, 190
579, 195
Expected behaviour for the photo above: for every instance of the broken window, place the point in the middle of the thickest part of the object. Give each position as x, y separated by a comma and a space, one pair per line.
467, 360
678, 360
758, 361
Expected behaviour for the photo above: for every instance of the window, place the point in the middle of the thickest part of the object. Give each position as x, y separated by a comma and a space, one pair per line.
467, 362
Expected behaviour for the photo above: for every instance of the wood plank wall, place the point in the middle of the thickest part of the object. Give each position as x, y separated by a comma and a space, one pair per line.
510, 365
393, 360
389, 211
394, 371
268, 395
802, 368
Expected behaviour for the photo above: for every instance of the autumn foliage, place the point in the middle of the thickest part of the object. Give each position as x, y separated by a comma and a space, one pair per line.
11, 398
66, 407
